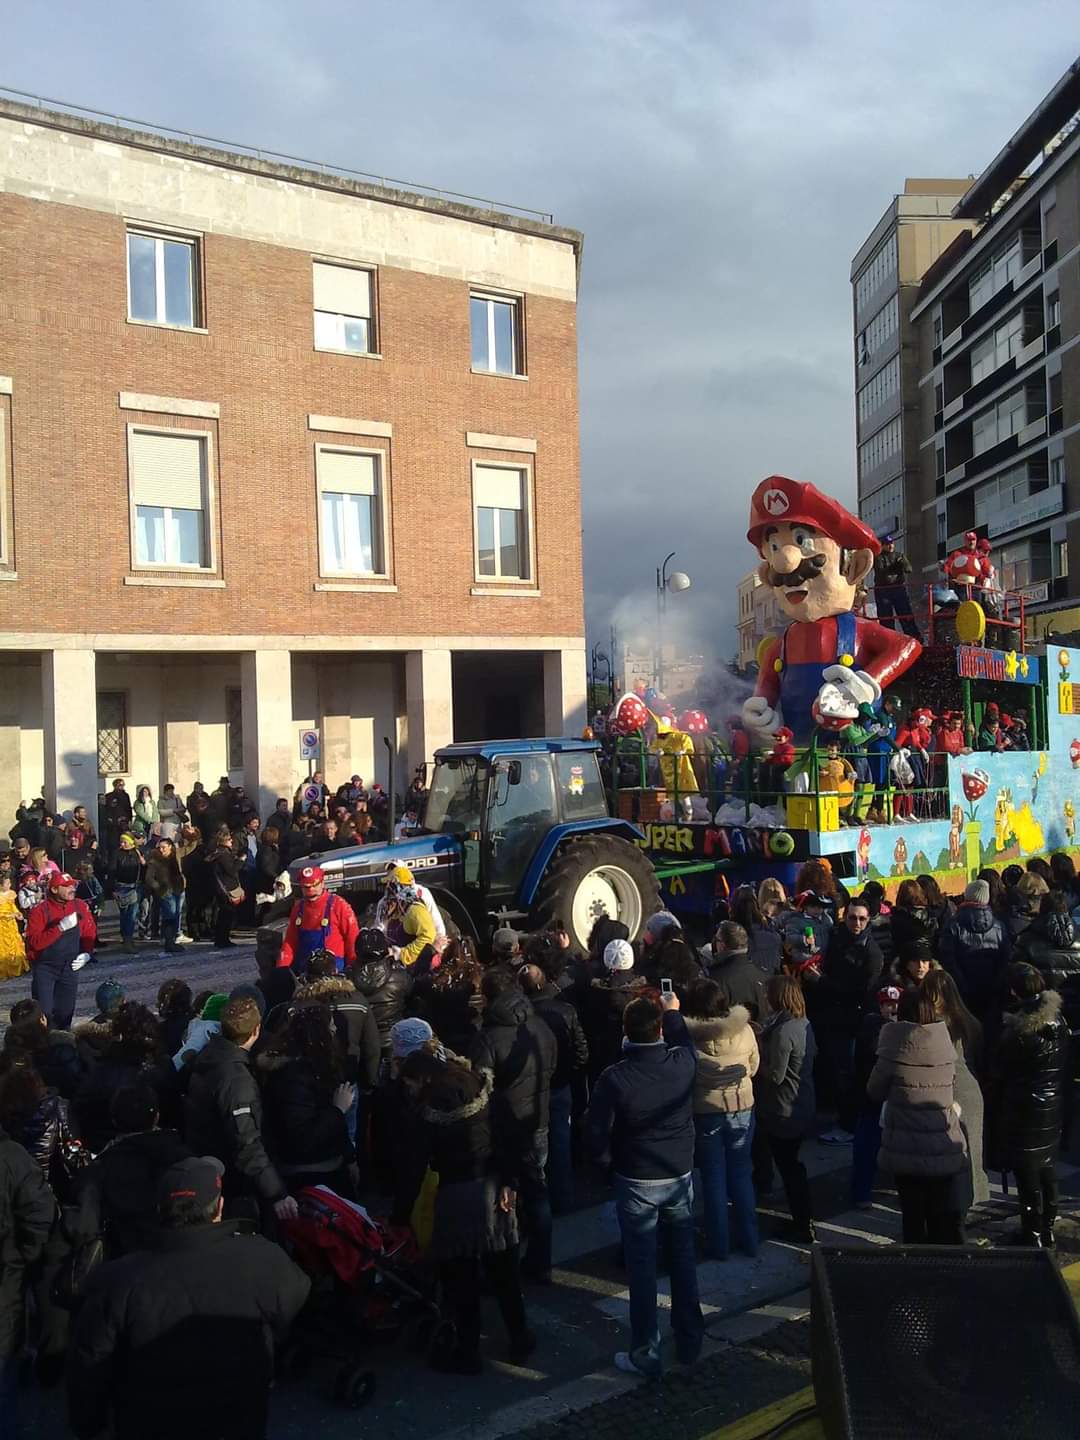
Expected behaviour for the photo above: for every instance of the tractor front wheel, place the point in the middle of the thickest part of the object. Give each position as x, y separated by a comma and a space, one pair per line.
593, 876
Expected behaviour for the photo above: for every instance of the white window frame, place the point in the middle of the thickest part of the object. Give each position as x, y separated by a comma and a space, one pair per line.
529, 511
179, 237
209, 503
374, 350
382, 471
493, 298
5, 489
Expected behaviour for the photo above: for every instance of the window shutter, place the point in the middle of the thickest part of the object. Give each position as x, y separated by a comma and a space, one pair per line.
346, 473
342, 291
498, 489
168, 470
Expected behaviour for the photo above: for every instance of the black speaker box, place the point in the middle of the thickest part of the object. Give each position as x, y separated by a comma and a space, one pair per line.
917, 1342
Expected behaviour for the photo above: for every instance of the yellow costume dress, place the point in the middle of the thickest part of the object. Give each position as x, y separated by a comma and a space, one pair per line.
12, 950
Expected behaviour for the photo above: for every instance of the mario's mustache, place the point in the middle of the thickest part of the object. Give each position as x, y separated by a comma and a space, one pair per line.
807, 570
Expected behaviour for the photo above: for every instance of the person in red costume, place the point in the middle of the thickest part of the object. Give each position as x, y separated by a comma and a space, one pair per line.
918, 737
829, 661
319, 921
951, 740
60, 938
965, 567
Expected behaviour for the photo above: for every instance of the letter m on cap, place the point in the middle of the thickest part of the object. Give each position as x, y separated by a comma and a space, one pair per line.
775, 502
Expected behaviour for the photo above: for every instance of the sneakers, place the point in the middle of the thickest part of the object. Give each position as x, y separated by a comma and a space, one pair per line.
184, 940
836, 1136
636, 1363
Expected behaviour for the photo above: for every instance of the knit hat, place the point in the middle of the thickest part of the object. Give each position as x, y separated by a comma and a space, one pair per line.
109, 996
618, 955
409, 1035
504, 942
978, 892
248, 992
214, 1006
659, 927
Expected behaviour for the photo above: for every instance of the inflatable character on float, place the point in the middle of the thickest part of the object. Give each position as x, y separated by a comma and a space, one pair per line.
828, 661
965, 567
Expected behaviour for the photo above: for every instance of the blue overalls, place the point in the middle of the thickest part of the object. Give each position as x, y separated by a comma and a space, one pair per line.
308, 941
801, 680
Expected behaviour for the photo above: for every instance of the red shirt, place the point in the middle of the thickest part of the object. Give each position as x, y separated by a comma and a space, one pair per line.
341, 932
43, 925
882, 653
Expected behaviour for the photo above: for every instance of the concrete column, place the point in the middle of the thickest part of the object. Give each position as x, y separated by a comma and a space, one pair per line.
565, 709
182, 754
429, 699
335, 723
69, 710
266, 686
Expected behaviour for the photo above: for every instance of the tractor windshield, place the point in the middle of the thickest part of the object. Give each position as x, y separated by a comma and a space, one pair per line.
455, 802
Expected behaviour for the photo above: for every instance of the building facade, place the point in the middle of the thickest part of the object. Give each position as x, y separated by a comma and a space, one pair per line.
279, 450
759, 618
885, 276
997, 322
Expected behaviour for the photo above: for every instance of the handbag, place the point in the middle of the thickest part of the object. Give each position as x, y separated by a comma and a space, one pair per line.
236, 896
422, 1216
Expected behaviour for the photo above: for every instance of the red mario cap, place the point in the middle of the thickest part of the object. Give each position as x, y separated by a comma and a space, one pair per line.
780, 501
311, 875
60, 880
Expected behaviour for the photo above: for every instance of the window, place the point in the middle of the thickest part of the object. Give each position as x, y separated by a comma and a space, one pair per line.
1053, 310
876, 392
1005, 265
578, 777
884, 324
1062, 563
1008, 416
883, 510
501, 500
234, 726
351, 510
112, 746
162, 279
343, 309
1057, 470
880, 448
495, 321
1005, 341
942, 526
882, 264
169, 470
1024, 563
1006, 489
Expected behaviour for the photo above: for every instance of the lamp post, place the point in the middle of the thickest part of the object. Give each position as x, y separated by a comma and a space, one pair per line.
676, 582
599, 659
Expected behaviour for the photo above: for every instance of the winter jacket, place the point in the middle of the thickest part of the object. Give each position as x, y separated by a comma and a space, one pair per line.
641, 1112
127, 867
766, 948
850, 972
420, 931
303, 1128
44, 1134
385, 984
907, 925
727, 1061
224, 1118
338, 922
112, 1073
57, 1060
115, 1198
601, 1009
203, 1307
914, 1079
162, 875
27, 1210
1052, 945
354, 1023
268, 866
1030, 1076
974, 949
45, 938
520, 1051
881, 933
562, 1020
784, 1090
743, 981
866, 1044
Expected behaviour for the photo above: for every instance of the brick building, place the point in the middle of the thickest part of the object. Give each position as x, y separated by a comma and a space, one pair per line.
279, 449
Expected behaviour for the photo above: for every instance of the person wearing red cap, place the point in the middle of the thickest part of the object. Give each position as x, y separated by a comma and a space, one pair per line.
320, 920
964, 567
829, 661
60, 938
990, 589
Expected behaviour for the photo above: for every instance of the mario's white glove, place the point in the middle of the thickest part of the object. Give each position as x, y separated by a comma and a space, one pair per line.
68, 922
855, 687
760, 720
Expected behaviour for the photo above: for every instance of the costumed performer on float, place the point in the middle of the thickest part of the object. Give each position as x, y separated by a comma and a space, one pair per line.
828, 661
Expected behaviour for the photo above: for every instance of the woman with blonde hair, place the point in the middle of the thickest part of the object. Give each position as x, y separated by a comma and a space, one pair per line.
772, 898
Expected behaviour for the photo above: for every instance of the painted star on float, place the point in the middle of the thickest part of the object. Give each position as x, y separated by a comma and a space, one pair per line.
1011, 664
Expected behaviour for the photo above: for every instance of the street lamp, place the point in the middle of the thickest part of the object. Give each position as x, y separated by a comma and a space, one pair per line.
676, 582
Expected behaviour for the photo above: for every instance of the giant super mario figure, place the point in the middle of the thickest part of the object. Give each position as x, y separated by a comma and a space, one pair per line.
828, 661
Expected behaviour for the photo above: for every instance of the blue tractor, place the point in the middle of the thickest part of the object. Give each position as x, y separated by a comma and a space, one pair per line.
514, 832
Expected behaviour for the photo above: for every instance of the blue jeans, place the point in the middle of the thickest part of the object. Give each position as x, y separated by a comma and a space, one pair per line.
169, 911
864, 1153
534, 1208
560, 1169
9, 1396
722, 1154
129, 914
640, 1205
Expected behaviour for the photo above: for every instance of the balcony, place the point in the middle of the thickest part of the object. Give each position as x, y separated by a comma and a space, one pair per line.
1033, 508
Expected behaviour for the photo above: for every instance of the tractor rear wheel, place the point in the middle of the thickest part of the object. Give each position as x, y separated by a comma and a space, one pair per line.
593, 876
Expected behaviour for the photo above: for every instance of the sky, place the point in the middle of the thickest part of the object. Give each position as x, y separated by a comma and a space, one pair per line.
725, 162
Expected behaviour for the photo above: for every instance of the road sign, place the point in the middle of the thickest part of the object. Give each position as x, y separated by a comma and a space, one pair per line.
309, 744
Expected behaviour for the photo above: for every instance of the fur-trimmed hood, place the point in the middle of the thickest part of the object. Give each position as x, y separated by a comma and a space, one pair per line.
95, 1033
464, 1110
325, 987
1033, 1014
722, 1027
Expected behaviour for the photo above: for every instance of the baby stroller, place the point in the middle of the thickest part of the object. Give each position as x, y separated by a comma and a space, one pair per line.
368, 1282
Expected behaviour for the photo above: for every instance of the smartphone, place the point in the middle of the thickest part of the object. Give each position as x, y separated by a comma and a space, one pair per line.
665, 987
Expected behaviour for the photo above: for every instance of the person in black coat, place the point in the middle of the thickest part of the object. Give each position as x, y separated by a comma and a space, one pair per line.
974, 948
521, 1053
836, 1002
602, 1002
27, 1211
911, 918
730, 964
224, 1111
228, 891
766, 945
133, 1054
187, 1325
359, 1043
1030, 1075
53, 1053
571, 1067
383, 982
305, 1102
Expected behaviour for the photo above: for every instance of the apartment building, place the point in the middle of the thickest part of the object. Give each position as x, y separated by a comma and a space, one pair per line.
888, 267
997, 322
280, 449
758, 618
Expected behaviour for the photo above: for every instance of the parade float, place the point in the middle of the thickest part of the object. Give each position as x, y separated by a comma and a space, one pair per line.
859, 744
